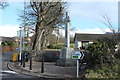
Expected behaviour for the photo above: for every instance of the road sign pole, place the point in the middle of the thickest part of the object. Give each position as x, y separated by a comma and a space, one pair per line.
77, 68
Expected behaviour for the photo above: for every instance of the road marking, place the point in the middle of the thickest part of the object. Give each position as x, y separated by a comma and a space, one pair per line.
6, 71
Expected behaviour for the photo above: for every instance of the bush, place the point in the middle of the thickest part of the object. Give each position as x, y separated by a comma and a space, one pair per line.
56, 46
100, 55
59, 46
101, 61
104, 72
4, 44
72, 45
50, 46
9, 43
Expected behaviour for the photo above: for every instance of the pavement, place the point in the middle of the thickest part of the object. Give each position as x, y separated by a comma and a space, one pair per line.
50, 70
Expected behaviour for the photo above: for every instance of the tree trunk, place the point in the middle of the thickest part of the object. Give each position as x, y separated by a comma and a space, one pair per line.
38, 41
38, 37
43, 42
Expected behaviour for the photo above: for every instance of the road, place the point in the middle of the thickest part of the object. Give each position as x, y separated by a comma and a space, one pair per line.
5, 72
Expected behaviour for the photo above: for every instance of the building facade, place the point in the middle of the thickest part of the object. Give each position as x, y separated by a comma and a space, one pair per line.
83, 40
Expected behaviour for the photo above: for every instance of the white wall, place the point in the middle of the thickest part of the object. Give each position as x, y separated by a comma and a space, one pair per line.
0, 43
78, 44
90, 42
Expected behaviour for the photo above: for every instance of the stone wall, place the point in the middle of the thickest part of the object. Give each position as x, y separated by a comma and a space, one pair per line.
49, 56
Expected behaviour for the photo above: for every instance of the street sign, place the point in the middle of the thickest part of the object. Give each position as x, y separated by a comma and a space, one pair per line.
77, 55
17, 48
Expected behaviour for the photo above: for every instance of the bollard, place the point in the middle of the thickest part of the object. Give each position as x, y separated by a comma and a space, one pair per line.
23, 59
77, 68
42, 67
30, 61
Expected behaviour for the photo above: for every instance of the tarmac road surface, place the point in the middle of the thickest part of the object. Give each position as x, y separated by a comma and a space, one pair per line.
5, 72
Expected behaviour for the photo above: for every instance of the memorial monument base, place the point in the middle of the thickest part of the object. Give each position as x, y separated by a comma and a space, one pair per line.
66, 58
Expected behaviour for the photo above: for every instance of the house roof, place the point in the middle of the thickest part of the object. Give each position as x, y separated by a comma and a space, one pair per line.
3, 39
91, 37
87, 37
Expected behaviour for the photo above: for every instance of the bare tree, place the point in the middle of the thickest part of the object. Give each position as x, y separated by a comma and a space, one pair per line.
113, 38
107, 22
45, 16
3, 4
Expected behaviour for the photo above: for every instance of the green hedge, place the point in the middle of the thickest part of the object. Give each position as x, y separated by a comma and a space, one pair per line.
8, 43
58, 46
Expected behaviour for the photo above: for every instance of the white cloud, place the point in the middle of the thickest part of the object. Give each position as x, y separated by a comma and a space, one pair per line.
9, 30
86, 31
90, 31
93, 31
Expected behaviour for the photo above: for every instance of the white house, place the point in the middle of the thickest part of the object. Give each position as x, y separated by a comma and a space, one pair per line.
83, 40
0, 40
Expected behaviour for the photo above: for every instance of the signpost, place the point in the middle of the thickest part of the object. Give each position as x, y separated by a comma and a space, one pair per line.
77, 55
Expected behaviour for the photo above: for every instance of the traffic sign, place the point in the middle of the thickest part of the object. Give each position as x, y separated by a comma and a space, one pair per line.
17, 48
77, 55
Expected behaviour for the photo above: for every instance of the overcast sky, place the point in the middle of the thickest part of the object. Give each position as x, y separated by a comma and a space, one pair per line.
85, 16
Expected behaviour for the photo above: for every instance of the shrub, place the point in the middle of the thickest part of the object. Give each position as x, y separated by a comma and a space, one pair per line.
102, 61
4, 43
72, 45
59, 46
11, 43
8, 43
99, 54
104, 72
56, 46
50, 46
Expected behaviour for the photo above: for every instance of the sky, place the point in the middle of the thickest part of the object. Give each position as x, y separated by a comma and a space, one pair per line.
85, 17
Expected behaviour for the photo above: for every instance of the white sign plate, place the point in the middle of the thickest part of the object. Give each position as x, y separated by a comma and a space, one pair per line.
77, 55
